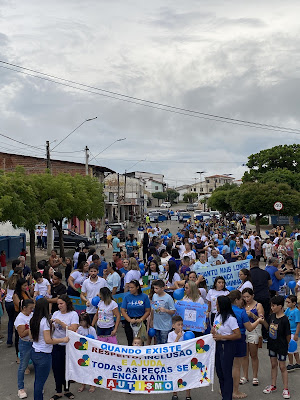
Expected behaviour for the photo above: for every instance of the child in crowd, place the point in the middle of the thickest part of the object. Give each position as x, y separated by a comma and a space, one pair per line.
137, 341
42, 286
278, 341
85, 329
293, 315
102, 255
185, 268
2, 262
176, 335
163, 308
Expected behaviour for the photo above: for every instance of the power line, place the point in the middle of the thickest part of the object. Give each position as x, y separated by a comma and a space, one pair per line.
148, 103
14, 140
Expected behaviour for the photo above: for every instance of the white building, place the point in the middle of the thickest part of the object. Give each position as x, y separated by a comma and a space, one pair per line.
182, 190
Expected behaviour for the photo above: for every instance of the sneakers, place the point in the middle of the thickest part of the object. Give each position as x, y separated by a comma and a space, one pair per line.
290, 368
22, 394
286, 394
297, 366
269, 389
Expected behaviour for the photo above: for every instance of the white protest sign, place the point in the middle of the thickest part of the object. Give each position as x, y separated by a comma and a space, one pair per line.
141, 370
230, 273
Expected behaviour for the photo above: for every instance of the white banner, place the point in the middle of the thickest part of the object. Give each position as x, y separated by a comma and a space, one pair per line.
230, 273
141, 370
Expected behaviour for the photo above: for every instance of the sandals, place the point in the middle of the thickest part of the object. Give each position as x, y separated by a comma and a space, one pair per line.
255, 382
243, 380
55, 397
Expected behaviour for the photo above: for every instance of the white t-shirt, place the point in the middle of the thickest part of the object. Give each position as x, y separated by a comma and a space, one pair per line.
176, 278
212, 296
246, 243
190, 254
75, 257
23, 319
164, 260
87, 331
197, 266
79, 277
106, 315
268, 247
109, 232
227, 329
172, 337
41, 346
9, 295
213, 261
245, 285
203, 294
114, 280
152, 276
68, 318
42, 287
92, 289
131, 275
200, 300
252, 242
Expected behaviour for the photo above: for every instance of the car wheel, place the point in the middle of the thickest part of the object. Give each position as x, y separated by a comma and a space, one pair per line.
81, 245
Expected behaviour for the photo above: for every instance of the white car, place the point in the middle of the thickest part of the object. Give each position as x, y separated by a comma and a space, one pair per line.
195, 204
165, 204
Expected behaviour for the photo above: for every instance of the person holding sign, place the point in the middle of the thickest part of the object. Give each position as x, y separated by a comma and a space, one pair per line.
225, 331
135, 308
162, 309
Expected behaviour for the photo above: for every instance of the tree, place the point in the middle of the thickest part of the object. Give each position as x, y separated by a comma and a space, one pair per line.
172, 195
159, 196
279, 164
259, 198
190, 197
220, 198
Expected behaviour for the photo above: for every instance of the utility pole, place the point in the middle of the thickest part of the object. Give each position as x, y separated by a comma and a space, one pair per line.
86, 160
50, 241
118, 197
125, 187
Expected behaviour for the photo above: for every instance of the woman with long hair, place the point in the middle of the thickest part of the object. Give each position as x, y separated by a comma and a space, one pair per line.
113, 277
288, 269
245, 277
225, 332
132, 274
106, 312
77, 278
171, 276
25, 344
145, 244
41, 333
9, 304
63, 319
218, 289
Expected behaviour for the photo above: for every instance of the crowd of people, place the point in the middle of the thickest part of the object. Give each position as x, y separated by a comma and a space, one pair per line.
262, 309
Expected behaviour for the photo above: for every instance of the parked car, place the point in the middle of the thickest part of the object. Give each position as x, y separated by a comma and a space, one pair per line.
215, 214
190, 207
116, 228
204, 216
72, 240
165, 204
195, 204
154, 216
184, 216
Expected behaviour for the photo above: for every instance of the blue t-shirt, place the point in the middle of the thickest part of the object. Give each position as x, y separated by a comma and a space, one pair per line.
162, 321
275, 282
115, 243
102, 267
232, 245
241, 317
294, 318
136, 304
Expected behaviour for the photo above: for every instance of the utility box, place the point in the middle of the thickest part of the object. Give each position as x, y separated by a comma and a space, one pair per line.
12, 245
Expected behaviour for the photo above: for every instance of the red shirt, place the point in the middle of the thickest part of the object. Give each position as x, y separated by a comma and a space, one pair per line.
3, 260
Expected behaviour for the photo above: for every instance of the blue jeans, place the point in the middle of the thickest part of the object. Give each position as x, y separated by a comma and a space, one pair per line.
161, 336
104, 331
42, 366
25, 354
10, 309
289, 278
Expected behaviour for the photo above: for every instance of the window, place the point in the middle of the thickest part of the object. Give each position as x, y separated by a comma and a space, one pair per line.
201, 189
207, 180
111, 197
210, 190
156, 187
194, 189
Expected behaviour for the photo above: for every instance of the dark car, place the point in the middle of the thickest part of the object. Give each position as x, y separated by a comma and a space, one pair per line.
72, 240
116, 228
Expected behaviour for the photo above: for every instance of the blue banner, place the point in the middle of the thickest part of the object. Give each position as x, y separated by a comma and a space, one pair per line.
230, 273
193, 315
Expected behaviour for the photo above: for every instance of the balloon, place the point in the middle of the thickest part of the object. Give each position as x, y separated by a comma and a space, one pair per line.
141, 265
230, 288
138, 243
194, 250
292, 284
282, 282
267, 232
39, 297
188, 335
90, 336
95, 301
178, 294
292, 346
249, 257
151, 332
142, 271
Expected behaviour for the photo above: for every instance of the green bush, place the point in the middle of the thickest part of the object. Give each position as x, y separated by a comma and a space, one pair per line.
263, 221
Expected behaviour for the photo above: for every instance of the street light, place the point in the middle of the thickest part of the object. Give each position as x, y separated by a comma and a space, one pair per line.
200, 173
118, 140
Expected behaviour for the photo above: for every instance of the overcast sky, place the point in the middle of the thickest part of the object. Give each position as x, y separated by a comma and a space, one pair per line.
230, 58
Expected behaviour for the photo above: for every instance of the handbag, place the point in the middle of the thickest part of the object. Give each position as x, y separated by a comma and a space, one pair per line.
142, 334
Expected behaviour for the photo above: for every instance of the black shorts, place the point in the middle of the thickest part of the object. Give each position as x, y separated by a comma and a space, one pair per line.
240, 347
